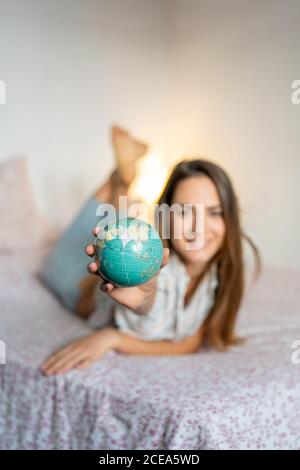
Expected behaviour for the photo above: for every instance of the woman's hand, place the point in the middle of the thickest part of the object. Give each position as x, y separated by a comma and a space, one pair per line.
140, 298
82, 352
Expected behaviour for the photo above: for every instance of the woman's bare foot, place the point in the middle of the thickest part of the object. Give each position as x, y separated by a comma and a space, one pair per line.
127, 151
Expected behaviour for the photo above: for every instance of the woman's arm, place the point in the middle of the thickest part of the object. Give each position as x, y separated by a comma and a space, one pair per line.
83, 352
131, 345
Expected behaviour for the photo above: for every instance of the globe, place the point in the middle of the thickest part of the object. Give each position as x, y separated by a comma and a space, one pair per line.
129, 252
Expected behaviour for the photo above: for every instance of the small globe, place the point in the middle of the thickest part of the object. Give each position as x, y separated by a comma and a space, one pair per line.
129, 251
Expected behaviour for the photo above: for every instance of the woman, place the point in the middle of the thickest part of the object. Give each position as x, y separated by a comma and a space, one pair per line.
195, 298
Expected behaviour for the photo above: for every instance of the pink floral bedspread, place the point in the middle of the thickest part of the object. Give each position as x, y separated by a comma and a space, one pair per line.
246, 398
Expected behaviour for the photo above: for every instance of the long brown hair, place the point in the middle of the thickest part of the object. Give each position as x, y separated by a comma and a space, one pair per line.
218, 328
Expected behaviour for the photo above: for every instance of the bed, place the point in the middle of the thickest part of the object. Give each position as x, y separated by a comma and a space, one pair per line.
245, 398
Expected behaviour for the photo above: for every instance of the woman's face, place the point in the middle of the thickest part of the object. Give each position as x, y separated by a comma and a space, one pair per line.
199, 242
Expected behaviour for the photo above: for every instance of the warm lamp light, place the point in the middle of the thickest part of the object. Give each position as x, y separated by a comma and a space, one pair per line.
150, 179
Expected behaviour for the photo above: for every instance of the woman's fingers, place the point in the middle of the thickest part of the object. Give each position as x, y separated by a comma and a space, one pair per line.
96, 230
57, 355
63, 367
93, 267
55, 359
84, 364
65, 361
107, 287
89, 249
69, 363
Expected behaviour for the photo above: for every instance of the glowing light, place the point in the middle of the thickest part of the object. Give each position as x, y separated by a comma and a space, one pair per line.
150, 179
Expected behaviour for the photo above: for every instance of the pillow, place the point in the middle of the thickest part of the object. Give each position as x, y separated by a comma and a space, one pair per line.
20, 224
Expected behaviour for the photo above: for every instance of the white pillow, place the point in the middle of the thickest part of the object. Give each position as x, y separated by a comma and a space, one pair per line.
21, 227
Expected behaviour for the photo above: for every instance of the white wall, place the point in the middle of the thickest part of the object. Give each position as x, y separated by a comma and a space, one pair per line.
72, 68
233, 65
208, 77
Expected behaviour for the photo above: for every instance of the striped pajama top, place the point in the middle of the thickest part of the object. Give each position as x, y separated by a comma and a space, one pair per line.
168, 318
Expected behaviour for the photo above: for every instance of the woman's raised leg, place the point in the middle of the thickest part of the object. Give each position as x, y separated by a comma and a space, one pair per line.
64, 271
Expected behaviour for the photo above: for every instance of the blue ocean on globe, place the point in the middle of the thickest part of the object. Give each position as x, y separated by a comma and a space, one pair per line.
130, 252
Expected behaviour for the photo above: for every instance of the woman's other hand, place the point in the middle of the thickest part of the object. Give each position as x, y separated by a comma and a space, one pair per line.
82, 352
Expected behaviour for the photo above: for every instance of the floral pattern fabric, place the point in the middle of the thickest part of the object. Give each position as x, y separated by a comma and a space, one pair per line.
245, 398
